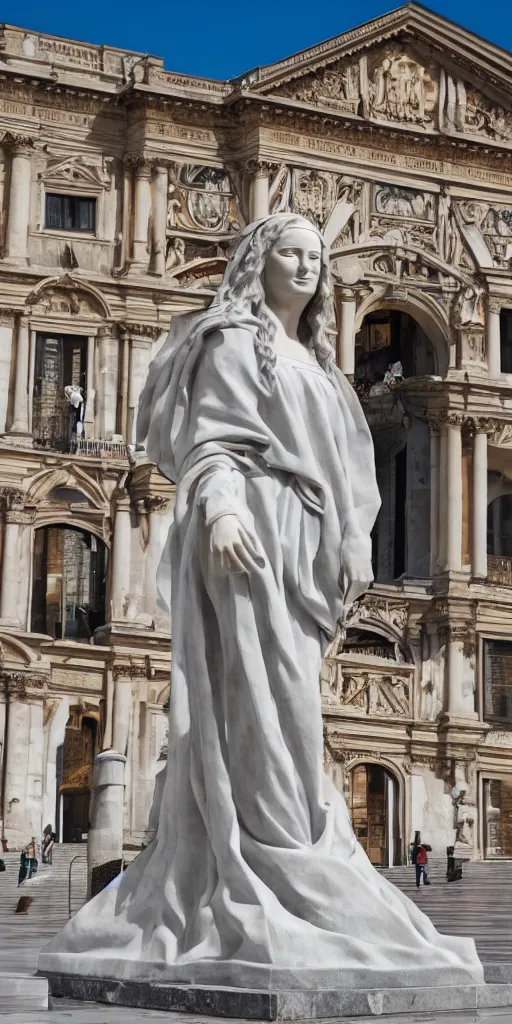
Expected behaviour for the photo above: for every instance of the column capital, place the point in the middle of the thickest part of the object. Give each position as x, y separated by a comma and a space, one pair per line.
494, 304
121, 502
346, 294
142, 165
142, 332
12, 499
19, 144
131, 670
258, 167
483, 425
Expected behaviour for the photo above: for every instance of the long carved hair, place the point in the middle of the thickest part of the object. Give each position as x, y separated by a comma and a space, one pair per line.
242, 294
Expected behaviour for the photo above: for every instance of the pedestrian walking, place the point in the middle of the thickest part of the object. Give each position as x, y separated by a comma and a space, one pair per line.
32, 857
419, 857
47, 845
23, 871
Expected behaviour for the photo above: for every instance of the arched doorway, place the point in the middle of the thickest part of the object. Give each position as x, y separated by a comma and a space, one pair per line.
373, 799
75, 769
68, 591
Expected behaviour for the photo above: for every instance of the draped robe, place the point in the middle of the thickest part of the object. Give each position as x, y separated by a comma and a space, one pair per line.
255, 866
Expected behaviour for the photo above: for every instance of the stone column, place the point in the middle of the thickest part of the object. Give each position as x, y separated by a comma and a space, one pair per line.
453, 510
122, 707
19, 201
259, 189
120, 571
479, 532
160, 187
108, 734
493, 339
23, 760
144, 737
21, 415
17, 738
347, 334
140, 356
435, 446
460, 699
14, 516
125, 377
107, 383
142, 214
105, 838
89, 386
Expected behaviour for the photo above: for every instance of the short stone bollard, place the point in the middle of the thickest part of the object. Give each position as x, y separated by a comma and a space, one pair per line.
105, 839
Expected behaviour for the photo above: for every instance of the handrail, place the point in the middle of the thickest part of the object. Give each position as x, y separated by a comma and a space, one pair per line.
77, 856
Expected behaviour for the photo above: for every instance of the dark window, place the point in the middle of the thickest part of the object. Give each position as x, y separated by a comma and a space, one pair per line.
499, 526
70, 213
506, 340
61, 360
498, 681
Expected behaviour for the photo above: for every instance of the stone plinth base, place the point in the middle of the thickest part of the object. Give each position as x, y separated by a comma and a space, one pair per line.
294, 1004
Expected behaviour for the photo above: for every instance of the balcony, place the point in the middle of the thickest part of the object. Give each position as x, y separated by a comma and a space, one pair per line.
92, 448
499, 570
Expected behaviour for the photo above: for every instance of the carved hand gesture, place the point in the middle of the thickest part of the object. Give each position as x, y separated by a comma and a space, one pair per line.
231, 547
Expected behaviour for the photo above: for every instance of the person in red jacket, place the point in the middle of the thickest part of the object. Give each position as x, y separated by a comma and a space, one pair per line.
420, 860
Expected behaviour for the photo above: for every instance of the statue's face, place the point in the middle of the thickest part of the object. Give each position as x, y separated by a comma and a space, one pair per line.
293, 266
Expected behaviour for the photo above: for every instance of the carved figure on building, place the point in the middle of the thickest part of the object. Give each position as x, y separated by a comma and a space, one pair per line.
448, 238
313, 195
469, 307
400, 89
175, 256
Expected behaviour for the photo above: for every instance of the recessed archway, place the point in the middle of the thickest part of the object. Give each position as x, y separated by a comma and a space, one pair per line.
390, 336
69, 581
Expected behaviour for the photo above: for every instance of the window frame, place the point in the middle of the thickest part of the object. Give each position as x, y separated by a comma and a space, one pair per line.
73, 198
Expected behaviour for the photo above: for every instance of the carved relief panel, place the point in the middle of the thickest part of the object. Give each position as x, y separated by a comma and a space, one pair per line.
201, 199
404, 216
398, 87
362, 690
336, 86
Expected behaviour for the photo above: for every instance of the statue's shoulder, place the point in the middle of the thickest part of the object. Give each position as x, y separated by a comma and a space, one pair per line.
231, 335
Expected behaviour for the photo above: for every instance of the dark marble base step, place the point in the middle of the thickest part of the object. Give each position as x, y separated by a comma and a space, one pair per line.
252, 1004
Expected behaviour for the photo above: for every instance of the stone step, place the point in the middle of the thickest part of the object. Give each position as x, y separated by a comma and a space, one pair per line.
24, 992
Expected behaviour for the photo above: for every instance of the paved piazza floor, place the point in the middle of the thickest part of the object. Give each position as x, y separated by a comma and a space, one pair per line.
89, 1013
481, 906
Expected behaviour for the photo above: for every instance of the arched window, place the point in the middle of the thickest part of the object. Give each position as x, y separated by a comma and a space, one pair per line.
68, 593
499, 526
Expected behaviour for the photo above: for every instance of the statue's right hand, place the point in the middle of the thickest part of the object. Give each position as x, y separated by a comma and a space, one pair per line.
231, 547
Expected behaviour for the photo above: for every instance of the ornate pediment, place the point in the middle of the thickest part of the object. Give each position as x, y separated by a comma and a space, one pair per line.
69, 296
396, 84
410, 68
75, 173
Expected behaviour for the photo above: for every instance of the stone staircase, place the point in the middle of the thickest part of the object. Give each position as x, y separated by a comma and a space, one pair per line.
478, 906
21, 937
49, 888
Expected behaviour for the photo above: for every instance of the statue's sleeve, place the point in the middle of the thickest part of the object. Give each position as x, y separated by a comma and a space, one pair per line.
225, 431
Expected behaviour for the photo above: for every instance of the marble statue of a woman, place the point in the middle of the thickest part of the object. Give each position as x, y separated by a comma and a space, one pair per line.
255, 867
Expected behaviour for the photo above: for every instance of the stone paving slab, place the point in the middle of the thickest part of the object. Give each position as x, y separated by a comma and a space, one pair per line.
68, 1012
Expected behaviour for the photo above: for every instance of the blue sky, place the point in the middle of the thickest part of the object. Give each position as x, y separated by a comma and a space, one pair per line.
222, 38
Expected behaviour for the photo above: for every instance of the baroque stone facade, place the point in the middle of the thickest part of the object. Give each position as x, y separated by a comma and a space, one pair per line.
123, 187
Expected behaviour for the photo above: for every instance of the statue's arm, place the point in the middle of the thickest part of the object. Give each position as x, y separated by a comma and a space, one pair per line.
225, 414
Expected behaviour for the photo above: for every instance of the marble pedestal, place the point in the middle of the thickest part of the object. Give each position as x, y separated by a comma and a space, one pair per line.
266, 993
